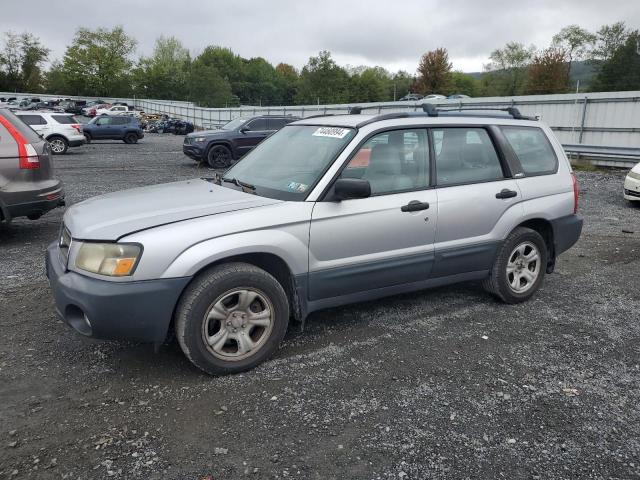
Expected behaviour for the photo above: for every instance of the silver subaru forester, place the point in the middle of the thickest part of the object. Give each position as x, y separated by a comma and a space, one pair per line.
328, 211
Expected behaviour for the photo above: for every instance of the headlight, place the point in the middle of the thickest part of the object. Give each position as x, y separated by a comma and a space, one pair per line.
634, 175
199, 139
113, 259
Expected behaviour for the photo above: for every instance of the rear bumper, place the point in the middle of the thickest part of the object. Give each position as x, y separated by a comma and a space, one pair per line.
192, 151
566, 232
31, 204
140, 311
77, 143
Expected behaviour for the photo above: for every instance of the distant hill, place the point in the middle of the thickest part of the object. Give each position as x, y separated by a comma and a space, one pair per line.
583, 71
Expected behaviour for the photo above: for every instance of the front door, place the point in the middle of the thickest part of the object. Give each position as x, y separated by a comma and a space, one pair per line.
381, 241
257, 131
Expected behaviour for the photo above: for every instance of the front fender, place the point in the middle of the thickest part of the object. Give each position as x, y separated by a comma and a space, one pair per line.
290, 248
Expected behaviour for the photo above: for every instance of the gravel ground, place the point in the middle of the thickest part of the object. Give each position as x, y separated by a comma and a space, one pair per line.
446, 383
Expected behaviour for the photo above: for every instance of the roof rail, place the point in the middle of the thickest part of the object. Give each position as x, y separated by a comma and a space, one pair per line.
432, 111
386, 116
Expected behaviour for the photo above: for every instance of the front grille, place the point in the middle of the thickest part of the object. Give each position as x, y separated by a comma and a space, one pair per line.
65, 243
631, 193
188, 140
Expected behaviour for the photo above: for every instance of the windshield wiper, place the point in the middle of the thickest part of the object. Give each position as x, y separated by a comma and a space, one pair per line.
238, 183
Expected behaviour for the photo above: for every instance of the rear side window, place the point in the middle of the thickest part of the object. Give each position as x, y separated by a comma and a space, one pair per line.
465, 155
533, 149
276, 123
33, 119
119, 121
64, 119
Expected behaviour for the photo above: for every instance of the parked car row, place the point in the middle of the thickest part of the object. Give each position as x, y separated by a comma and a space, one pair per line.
414, 97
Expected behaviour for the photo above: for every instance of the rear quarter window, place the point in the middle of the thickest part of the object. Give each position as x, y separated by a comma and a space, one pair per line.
533, 149
64, 119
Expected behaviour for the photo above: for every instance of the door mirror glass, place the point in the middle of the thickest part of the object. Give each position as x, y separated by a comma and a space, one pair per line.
346, 188
244, 129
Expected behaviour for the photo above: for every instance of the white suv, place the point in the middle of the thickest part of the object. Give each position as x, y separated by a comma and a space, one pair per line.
61, 130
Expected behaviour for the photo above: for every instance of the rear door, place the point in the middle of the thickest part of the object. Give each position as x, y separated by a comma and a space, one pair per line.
363, 244
37, 122
477, 199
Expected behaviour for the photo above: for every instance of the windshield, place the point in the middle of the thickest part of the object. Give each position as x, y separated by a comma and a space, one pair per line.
233, 124
288, 164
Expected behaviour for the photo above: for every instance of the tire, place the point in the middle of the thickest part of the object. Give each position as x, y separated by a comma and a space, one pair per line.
87, 137
219, 156
130, 138
508, 279
59, 145
214, 330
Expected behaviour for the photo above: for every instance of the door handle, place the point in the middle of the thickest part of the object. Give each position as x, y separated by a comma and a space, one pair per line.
414, 206
506, 193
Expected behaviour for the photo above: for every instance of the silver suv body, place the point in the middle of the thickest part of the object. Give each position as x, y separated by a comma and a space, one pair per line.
327, 211
27, 185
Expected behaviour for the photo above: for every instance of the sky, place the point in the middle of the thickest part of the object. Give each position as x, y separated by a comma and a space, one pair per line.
389, 33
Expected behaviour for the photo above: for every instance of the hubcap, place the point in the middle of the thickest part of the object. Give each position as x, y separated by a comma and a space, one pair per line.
523, 267
237, 324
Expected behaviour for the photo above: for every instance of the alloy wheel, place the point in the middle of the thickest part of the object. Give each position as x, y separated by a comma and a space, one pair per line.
523, 267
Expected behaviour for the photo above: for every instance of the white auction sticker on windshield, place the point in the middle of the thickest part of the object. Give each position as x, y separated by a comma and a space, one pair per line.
333, 132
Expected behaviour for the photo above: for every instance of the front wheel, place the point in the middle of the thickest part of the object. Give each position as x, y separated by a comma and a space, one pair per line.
519, 268
58, 145
219, 156
87, 137
231, 318
130, 138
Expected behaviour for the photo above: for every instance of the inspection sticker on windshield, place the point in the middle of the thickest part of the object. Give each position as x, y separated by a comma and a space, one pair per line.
333, 132
297, 187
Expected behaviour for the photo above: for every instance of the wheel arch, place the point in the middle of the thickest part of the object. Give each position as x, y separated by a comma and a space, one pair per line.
545, 229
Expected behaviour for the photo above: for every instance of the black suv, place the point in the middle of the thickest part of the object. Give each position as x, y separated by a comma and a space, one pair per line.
219, 148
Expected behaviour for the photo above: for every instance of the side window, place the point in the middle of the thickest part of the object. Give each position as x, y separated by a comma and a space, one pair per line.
33, 119
392, 162
533, 149
276, 123
465, 155
104, 121
258, 124
119, 121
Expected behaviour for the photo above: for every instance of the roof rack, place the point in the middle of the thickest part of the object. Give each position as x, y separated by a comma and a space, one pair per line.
432, 111
385, 116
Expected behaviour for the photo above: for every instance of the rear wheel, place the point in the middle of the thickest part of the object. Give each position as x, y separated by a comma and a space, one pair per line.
519, 269
219, 156
130, 138
231, 318
59, 145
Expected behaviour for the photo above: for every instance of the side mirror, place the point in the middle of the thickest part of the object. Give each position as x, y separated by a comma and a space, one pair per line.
346, 188
244, 129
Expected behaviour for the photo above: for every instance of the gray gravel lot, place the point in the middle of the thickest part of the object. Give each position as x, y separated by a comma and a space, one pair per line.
446, 383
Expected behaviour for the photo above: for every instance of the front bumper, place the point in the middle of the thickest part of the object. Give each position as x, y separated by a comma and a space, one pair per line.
632, 189
192, 151
140, 311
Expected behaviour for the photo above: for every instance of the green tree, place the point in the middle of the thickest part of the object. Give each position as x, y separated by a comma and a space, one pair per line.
288, 79
608, 39
575, 41
228, 65
207, 87
21, 63
434, 72
622, 70
399, 85
98, 62
164, 75
323, 81
463, 83
369, 85
509, 67
260, 83
548, 72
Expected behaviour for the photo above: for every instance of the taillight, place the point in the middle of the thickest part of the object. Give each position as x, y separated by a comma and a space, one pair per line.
77, 127
27, 155
576, 193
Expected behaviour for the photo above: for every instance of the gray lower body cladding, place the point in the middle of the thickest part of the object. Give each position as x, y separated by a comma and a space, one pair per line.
139, 311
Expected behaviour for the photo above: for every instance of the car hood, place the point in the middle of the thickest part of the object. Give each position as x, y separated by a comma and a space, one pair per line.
636, 169
209, 133
111, 216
